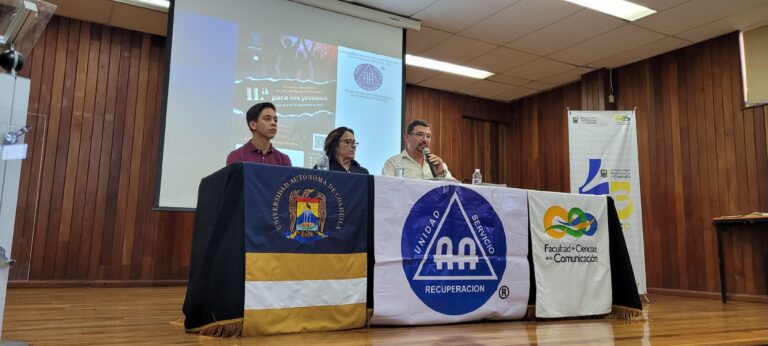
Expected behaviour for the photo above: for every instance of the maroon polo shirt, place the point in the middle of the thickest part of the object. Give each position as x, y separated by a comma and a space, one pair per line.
249, 153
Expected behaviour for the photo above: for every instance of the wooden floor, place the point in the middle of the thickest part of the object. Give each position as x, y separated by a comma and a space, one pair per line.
150, 316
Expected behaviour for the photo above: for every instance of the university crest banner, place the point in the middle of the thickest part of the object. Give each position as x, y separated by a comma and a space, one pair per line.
448, 253
278, 250
571, 256
604, 161
305, 250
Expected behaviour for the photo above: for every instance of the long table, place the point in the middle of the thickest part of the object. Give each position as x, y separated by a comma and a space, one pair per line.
215, 295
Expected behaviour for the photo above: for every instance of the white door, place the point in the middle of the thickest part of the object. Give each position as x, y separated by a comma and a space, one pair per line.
14, 98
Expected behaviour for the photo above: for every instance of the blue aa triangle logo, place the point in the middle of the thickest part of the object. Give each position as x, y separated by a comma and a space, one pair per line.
455, 251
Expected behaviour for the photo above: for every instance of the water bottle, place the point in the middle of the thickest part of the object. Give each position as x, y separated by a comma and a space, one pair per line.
399, 169
477, 178
323, 163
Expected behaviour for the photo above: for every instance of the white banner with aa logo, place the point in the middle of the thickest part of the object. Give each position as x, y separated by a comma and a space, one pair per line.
448, 253
603, 161
571, 259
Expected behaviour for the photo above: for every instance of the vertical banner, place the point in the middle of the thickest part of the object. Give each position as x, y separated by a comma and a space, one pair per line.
603, 160
448, 253
305, 250
571, 258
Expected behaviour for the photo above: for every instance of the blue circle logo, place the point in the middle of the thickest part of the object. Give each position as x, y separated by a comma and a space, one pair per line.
368, 77
454, 250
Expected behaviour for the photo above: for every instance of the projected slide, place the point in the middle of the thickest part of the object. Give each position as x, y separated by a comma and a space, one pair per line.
321, 69
298, 75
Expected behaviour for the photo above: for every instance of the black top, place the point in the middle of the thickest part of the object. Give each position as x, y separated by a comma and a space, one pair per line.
335, 166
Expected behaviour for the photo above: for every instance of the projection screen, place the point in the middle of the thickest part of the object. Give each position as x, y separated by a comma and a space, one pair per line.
321, 69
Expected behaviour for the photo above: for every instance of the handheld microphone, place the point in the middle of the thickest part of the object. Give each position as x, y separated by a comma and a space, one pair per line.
431, 167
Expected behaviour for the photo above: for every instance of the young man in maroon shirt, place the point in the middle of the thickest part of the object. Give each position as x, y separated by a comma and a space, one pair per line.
262, 120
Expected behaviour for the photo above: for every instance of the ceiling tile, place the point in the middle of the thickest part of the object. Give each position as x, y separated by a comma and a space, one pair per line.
539, 69
520, 19
404, 8
501, 59
502, 78
485, 88
139, 19
606, 45
418, 41
515, 93
539, 86
566, 32
447, 81
659, 5
96, 11
415, 75
743, 20
693, 14
650, 50
458, 50
455, 15
567, 77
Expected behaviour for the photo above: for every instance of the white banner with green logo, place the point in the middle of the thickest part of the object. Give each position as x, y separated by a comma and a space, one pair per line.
571, 260
603, 161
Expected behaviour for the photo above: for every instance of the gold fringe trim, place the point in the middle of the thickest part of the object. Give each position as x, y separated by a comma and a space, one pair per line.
220, 329
624, 313
178, 323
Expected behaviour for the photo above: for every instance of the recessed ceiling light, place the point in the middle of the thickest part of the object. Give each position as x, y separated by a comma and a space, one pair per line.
617, 8
446, 67
158, 5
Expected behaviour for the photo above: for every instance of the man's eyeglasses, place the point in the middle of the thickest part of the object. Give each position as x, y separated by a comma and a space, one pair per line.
350, 142
427, 136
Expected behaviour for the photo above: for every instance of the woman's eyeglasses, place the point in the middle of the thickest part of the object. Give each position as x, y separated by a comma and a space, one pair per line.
350, 142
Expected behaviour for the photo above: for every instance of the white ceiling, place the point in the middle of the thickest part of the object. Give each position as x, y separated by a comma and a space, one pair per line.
535, 45
532, 45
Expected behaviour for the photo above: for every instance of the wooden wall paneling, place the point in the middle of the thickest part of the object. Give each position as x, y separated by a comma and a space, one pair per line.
699, 146
670, 177
761, 153
85, 95
743, 189
759, 240
143, 178
659, 172
629, 99
42, 106
61, 193
100, 236
719, 79
687, 174
109, 267
48, 238
123, 225
510, 149
133, 230
703, 119
100, 46
710, 249
670, 89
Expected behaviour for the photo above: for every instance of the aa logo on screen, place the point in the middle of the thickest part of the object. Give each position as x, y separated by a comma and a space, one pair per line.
574, 222
304, 197
368, 77
454, 250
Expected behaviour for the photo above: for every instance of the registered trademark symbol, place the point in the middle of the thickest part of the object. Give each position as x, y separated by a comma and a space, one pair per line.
503, 292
